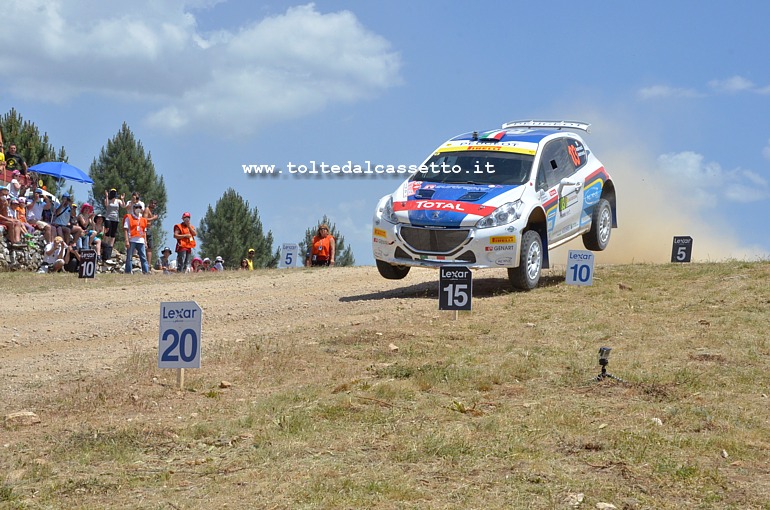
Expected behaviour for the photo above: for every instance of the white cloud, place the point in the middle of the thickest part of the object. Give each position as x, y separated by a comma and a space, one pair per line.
279, 68
664, 91
706, 184
732, 85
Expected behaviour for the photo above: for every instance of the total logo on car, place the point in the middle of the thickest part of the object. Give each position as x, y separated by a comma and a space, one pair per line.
499, 198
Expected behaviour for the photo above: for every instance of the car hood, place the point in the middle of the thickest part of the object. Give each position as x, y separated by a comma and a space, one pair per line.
432, 204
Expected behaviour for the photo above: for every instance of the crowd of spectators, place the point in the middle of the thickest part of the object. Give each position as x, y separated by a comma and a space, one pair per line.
26, 208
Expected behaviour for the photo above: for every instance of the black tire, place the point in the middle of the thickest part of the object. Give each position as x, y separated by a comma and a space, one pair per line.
392, 272
598, 237
527, 275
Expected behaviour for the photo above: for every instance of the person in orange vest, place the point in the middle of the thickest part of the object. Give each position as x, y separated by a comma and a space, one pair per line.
184, 233
135, 230
322, 249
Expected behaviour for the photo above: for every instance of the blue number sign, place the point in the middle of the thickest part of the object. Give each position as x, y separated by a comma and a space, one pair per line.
179, 342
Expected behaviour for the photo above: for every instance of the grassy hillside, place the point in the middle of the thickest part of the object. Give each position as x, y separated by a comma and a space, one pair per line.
393, 404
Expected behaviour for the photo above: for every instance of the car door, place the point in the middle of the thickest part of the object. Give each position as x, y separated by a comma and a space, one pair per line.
560, 191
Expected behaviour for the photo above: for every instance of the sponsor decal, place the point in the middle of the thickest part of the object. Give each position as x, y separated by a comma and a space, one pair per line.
502, 239
592, 195
443, 205
506, 247
380, 232
377, 240
504, 261
412, 187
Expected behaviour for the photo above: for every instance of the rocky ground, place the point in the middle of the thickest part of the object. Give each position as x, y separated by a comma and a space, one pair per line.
59, 327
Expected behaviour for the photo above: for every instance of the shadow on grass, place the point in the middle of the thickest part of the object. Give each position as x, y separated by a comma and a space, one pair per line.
482, 288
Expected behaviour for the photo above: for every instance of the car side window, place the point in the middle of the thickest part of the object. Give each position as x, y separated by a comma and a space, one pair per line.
577, 152
555, 164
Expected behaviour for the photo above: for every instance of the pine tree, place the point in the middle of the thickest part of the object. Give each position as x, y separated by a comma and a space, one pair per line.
30, 145
124, 166
344, 255
231, 228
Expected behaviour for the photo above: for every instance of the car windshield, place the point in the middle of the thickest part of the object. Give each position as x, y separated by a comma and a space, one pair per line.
477, 167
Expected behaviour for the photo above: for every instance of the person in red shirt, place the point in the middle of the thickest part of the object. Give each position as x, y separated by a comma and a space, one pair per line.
184, 233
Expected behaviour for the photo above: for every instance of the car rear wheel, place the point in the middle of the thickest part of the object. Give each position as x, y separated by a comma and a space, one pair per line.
598, 237
392, 272
527, 275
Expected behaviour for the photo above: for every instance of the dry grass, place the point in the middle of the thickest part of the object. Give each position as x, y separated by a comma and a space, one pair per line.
498, 409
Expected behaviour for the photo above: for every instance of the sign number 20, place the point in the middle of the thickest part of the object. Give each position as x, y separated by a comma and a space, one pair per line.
180, 342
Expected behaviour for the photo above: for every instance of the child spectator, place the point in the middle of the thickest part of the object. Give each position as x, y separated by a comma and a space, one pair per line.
196, 265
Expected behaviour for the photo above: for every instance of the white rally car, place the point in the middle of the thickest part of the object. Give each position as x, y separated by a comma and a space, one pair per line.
500, 198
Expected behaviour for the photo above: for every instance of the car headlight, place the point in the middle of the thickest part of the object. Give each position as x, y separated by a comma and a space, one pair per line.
387, 211
506, 213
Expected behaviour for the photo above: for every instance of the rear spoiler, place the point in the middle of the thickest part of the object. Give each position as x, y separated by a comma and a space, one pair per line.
558, 124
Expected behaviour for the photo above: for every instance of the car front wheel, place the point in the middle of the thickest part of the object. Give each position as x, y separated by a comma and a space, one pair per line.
598, 237
527, 275
392, 272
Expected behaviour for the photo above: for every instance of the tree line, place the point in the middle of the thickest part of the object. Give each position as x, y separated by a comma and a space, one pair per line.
229, 229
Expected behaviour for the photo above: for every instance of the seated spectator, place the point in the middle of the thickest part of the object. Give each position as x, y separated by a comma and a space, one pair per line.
20, 206
163, 263
85, 221
98, 233
35, 209
61, 216
196, 265
12, 226
55, 257
206, 266
75, 230
72, 264
219, 264
244, 264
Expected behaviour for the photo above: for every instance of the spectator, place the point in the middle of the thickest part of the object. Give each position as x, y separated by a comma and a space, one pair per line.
219, 264
150, 216
61, 217
250, 259
206, 266
112, 206
72, 263
135, 199
87, 223
12, 226
2, 157
245, 265
196, 265
55, 256
321, 252
14, 187
19, 208
14, 161
75, 230
98, 235
134, 228
35, 209
184, 233
163, 263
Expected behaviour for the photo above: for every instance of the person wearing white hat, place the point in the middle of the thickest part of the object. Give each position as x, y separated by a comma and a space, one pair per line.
219, 264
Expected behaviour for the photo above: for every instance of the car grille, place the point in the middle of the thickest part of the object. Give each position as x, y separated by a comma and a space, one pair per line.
426, 240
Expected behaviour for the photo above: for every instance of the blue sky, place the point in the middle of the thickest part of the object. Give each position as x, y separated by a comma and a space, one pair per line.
678, 95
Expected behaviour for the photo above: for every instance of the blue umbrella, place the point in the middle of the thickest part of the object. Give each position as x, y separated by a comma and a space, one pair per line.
62, 170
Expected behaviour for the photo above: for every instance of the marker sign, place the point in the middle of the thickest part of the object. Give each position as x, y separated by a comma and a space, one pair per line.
580, 267
455, 288
87, 267
289, 255
682, 249
179, 342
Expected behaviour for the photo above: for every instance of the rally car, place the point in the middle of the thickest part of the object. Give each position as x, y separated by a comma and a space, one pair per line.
499, 198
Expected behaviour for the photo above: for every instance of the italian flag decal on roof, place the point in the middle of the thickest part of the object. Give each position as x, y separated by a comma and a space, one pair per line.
492, 135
